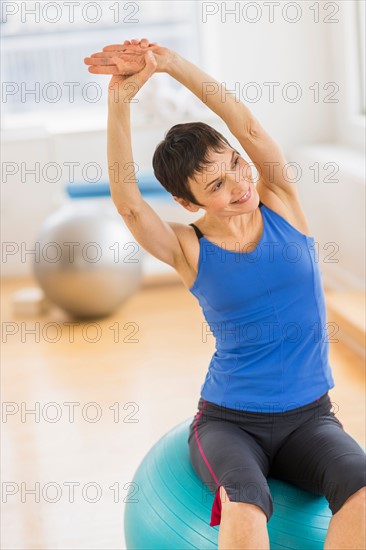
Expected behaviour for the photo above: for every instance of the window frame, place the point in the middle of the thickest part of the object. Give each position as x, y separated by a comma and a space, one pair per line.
346, 43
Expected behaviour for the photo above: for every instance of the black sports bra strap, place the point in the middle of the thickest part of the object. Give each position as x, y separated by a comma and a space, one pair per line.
198, 232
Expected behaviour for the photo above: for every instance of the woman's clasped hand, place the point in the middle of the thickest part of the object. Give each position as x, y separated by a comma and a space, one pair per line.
128, 58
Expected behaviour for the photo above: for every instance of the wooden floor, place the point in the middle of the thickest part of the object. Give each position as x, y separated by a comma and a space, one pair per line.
141, 375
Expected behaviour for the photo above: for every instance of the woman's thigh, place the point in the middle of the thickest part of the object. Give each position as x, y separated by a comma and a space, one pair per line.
223, 454
321, 457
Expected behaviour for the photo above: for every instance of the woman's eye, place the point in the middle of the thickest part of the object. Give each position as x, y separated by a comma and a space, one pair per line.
216, 186
236, 161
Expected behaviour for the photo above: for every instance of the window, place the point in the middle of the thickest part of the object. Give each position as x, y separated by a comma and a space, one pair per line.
348, 43
44, 45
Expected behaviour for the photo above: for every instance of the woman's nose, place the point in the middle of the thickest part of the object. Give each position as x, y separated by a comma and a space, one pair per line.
238, 180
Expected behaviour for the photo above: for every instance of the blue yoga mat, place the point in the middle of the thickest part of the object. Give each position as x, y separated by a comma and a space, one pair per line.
148, 185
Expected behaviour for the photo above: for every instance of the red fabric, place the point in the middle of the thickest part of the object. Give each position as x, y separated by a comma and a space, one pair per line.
216, 507
216, 510
200, 446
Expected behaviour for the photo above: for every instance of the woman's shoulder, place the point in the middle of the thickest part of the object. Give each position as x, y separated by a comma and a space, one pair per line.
187, 266
286, 205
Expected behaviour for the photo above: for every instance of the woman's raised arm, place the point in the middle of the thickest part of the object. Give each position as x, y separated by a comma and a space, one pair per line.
262, 149
150, 231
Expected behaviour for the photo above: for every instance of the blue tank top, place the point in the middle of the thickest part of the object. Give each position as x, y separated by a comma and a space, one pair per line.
266, 310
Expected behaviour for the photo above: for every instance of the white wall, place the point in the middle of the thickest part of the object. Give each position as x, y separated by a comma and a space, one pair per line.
323, 132
335, 208
237, 54
278, 52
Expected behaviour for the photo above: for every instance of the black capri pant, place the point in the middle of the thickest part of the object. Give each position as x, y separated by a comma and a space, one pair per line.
306, 446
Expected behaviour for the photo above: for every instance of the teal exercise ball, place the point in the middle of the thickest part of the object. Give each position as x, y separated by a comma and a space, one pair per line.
171, 508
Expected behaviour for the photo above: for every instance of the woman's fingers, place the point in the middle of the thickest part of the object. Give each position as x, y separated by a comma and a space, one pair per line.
121, 53
109, 69
104, 58
127, 59
144, 43
104, 54
115, 47
115, 65
133, 44
122, 48
98, 61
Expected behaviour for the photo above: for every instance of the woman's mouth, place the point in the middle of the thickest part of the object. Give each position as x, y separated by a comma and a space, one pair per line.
244, 198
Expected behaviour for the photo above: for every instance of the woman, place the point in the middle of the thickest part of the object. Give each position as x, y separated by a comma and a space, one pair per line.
264, 407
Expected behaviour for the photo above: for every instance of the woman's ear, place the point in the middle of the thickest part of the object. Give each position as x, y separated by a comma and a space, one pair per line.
186, 204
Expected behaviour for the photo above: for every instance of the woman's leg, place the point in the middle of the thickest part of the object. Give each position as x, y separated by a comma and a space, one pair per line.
321, 457
347, 527
231, 463
242, 525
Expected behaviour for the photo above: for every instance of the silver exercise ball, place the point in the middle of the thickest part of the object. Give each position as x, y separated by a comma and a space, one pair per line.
88, 262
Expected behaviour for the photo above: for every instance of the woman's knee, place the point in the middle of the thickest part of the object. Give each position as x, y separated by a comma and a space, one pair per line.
344, 481
241, 510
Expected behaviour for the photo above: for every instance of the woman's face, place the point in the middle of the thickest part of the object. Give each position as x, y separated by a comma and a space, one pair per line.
228, 178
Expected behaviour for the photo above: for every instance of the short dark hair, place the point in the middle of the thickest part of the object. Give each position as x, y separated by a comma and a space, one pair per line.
184, 152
